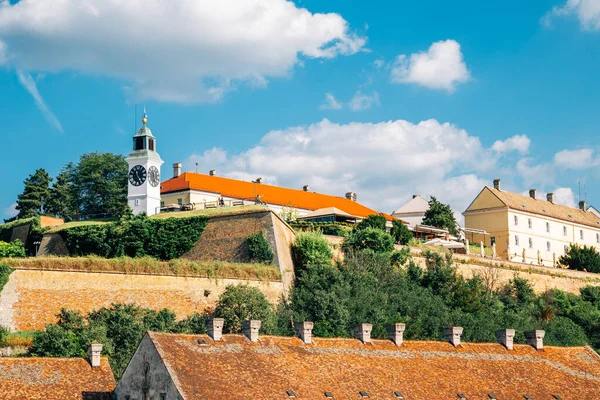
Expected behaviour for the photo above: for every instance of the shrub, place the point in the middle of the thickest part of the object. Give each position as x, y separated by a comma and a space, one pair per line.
399, 257
310, 248
401, 233
5, 271
4, 332
581, 258
259, 248
369, 238
13, 249
372, 221
137, 236
242, 302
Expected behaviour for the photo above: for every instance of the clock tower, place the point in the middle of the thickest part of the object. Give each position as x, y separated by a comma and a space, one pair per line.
143, 193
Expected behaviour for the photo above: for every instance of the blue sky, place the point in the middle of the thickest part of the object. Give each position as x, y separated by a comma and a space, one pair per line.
384, 98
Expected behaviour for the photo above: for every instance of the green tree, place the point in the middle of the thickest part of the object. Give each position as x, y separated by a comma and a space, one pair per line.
99, 184
400, 232
440, 215
310, 248
372, 221
369, 238
33, 200
242, 302
60, 199
259, 249
581, 258
13, 249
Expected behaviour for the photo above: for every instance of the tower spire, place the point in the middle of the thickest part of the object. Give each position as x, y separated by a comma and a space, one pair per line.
145, 117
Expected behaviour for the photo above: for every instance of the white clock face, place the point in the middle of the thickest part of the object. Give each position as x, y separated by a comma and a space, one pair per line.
153, 176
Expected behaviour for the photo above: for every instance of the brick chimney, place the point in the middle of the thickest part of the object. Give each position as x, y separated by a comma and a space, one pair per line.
505, 337
251, 328
497, 184
215, 328
453, 335
352, 196
304, 331
396, 332
582, 205
550, 197
176, 169
532, 193
363, 332
94, 352
212, 172
305, 188
535, 339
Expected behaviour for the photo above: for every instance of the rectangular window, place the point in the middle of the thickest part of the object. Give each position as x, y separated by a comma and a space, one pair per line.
162, 204
597, 237
137, 202
138, 143
581, 234
566, 248
516, 221
529, 223
151, 144
547, 226
180, 202
163, 396
492, 240
548, 246
531, 243
564, 231
516, 240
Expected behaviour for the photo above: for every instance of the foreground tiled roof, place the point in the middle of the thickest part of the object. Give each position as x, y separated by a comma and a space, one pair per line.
236, 368
542, 207
269, 194
54, 378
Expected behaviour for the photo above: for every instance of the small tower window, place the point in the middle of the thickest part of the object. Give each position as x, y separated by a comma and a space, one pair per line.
151, 144
138, 143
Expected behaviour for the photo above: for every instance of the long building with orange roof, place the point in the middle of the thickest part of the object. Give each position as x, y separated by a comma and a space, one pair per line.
190, 190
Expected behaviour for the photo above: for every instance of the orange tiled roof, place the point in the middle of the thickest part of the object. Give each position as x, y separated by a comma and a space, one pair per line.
54, 378
542, 207
269, 194
236, 368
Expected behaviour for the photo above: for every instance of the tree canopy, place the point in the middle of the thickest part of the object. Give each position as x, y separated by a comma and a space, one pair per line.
581, 258
440, 215
33, 200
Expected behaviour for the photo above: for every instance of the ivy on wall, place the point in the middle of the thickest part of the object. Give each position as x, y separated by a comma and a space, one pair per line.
136, 236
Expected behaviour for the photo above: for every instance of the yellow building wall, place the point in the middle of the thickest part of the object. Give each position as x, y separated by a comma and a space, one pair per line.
495, 223
485, 200
172, 198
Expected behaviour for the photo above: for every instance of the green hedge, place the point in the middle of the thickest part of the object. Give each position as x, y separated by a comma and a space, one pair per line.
14, 249
326, 228
259, 248
137, 236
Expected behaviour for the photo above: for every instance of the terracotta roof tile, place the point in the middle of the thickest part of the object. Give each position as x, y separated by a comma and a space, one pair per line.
542, 207
54, 378
269, 194
236, 368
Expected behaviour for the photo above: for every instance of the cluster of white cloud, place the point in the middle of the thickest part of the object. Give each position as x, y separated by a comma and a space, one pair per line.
587, 11
180, 50
442, 66
518, 143
359, 102
576, 159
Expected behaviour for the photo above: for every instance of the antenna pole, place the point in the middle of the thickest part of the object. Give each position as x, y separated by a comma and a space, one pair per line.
135, 120
579, 190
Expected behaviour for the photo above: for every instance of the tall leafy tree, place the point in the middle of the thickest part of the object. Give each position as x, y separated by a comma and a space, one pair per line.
99, 184
400, 232
60, 200
440, 215
33, 200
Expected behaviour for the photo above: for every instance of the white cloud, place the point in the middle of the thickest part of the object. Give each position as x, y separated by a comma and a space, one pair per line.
11, 211
534, 174
180, 50
208, 160
519, 143
29, 84
440, 67
361, 101
565, 195
587, 11
575, 159
330, 103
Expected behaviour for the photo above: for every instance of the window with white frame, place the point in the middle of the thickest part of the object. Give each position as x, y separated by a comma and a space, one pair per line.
547, 226
516, 240
516, 221
531, 243
529, 223
597, 237
581, 234
548, 247
564, 231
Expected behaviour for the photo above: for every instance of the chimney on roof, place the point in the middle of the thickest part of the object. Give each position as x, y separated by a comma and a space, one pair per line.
453, 334
532, 193
212, 172
505, 337
251, 328
352, 196
258, 180
363, 332
550, 197
94, 352
176, 169
415, 196
582, 205
215, 328
497, 184
304, 331
535, 339
396, 332
306, 188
